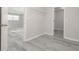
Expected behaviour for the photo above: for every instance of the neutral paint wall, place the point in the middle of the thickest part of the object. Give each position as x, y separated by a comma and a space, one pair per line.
16, 10
49, 22
59, 19
39, 21
71, 23
35, 21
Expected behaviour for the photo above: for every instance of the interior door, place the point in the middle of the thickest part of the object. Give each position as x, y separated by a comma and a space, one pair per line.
4, 28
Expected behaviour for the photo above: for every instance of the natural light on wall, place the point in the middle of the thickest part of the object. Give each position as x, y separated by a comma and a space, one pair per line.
13, 17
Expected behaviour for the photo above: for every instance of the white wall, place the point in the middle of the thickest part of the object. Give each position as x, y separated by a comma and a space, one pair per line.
71, 23
39, 21
16, 10
35, 21
59, 19
49, 23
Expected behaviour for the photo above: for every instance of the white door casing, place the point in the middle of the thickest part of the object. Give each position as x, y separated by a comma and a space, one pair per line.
4, 29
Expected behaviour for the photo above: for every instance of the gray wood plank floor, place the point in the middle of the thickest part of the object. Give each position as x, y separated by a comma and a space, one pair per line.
42, 43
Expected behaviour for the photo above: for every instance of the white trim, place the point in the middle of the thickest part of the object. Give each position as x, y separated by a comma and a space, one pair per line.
25, 23
58, 29
49, 34
31, 38
69, 38
4, 30
37, 36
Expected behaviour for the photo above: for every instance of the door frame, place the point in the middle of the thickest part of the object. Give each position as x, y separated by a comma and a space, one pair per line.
0, 29
63, 20
4, 13
4, 38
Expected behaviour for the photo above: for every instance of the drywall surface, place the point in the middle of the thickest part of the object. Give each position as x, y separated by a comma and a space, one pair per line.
16, 10
49, 22
59, 19
71, 23
35, 21
40, 20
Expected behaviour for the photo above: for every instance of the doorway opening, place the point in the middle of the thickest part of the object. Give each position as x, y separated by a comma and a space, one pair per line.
59, 22
15, 28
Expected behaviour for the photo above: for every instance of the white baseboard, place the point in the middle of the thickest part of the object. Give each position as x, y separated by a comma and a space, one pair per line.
33, 37
37, 36
58, 29
69, 38
49, 34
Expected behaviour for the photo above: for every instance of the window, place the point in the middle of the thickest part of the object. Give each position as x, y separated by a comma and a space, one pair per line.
13, 17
